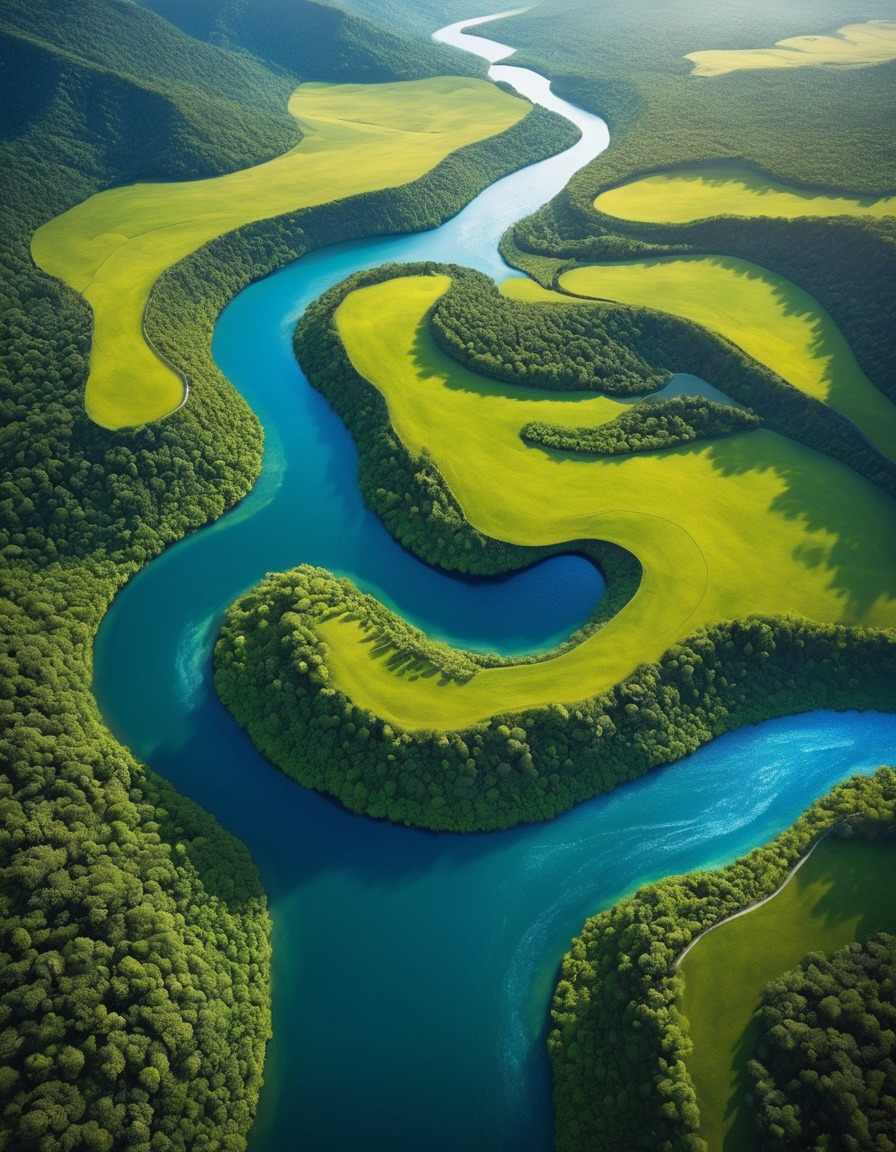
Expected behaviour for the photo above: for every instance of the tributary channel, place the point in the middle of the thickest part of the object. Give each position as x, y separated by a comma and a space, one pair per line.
413, 972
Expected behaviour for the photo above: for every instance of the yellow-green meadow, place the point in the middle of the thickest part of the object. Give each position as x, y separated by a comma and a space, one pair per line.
356, 138
686, 194
842, 893
872, 42
769, 317
752, 523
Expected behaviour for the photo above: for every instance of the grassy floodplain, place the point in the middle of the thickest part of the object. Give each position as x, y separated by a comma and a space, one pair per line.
750, 524
843, 892
687, 194
357, 138
769, 317
873, 42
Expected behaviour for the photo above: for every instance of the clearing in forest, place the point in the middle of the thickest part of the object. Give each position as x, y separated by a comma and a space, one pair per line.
842, 893
356, 138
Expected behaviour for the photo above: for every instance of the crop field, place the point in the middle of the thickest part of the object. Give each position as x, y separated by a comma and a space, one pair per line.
357, 138
685, 194
873, 42
842, 893
769, 317
751, 523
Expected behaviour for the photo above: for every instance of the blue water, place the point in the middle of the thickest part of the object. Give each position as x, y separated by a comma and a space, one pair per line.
412, 972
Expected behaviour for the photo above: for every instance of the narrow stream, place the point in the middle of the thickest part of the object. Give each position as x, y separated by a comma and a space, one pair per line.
412, 972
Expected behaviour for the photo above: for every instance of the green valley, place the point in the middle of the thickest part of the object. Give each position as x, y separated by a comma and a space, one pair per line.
400, 583
113, 247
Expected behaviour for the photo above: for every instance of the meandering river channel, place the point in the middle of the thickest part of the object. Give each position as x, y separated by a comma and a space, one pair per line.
412, 972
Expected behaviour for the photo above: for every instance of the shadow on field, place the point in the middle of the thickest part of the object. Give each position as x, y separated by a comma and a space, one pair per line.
857, 546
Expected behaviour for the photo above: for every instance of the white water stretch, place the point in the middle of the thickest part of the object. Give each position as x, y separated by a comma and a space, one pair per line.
413, 972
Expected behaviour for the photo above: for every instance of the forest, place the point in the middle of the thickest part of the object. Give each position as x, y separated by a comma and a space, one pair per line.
666, 423
619, 1044
824, 1068
271, 672
135, 953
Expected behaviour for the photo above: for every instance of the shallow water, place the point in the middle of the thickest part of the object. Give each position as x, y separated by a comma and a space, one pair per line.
412, 972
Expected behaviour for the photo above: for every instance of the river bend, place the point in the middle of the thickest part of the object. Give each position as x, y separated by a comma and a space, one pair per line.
412, 972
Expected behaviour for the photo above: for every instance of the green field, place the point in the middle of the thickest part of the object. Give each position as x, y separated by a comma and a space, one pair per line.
770, 318
748, 524
357, 138
682, 195
873, 42
843, 892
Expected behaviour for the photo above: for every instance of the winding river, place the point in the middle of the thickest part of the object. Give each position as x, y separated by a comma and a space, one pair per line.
412, 972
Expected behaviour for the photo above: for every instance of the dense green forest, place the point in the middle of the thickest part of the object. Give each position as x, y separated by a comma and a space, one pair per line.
618, 1043
317, 40
135, 956
271, 671
619, 349
822, 127
135, 952
649, 427
825, 1067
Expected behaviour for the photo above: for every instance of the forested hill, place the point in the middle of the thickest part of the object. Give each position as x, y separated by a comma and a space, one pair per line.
419, 19
134, 957
828, 127
119, 94
317, 41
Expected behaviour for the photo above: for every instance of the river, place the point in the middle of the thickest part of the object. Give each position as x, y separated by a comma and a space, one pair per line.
412, 972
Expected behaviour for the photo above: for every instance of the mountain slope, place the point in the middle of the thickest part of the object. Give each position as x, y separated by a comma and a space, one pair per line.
130, 92
315, 40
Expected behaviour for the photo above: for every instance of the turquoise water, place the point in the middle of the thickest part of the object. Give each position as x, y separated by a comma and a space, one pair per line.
412, 972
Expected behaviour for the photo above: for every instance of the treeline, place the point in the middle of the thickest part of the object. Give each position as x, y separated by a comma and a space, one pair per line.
482, 329
618, 1043
545, 346
134, 955
837, 129
135, 930
111, 88
271, 672
647, 427
316, 41
825, 1067
847, 265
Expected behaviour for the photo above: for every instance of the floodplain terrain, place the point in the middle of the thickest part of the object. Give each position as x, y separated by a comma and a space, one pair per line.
750, 524
356, 138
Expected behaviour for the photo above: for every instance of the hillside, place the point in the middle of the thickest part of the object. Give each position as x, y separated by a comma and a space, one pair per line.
317, 41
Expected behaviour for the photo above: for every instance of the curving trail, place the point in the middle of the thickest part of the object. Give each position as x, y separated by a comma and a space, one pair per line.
759, 903
698, 192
